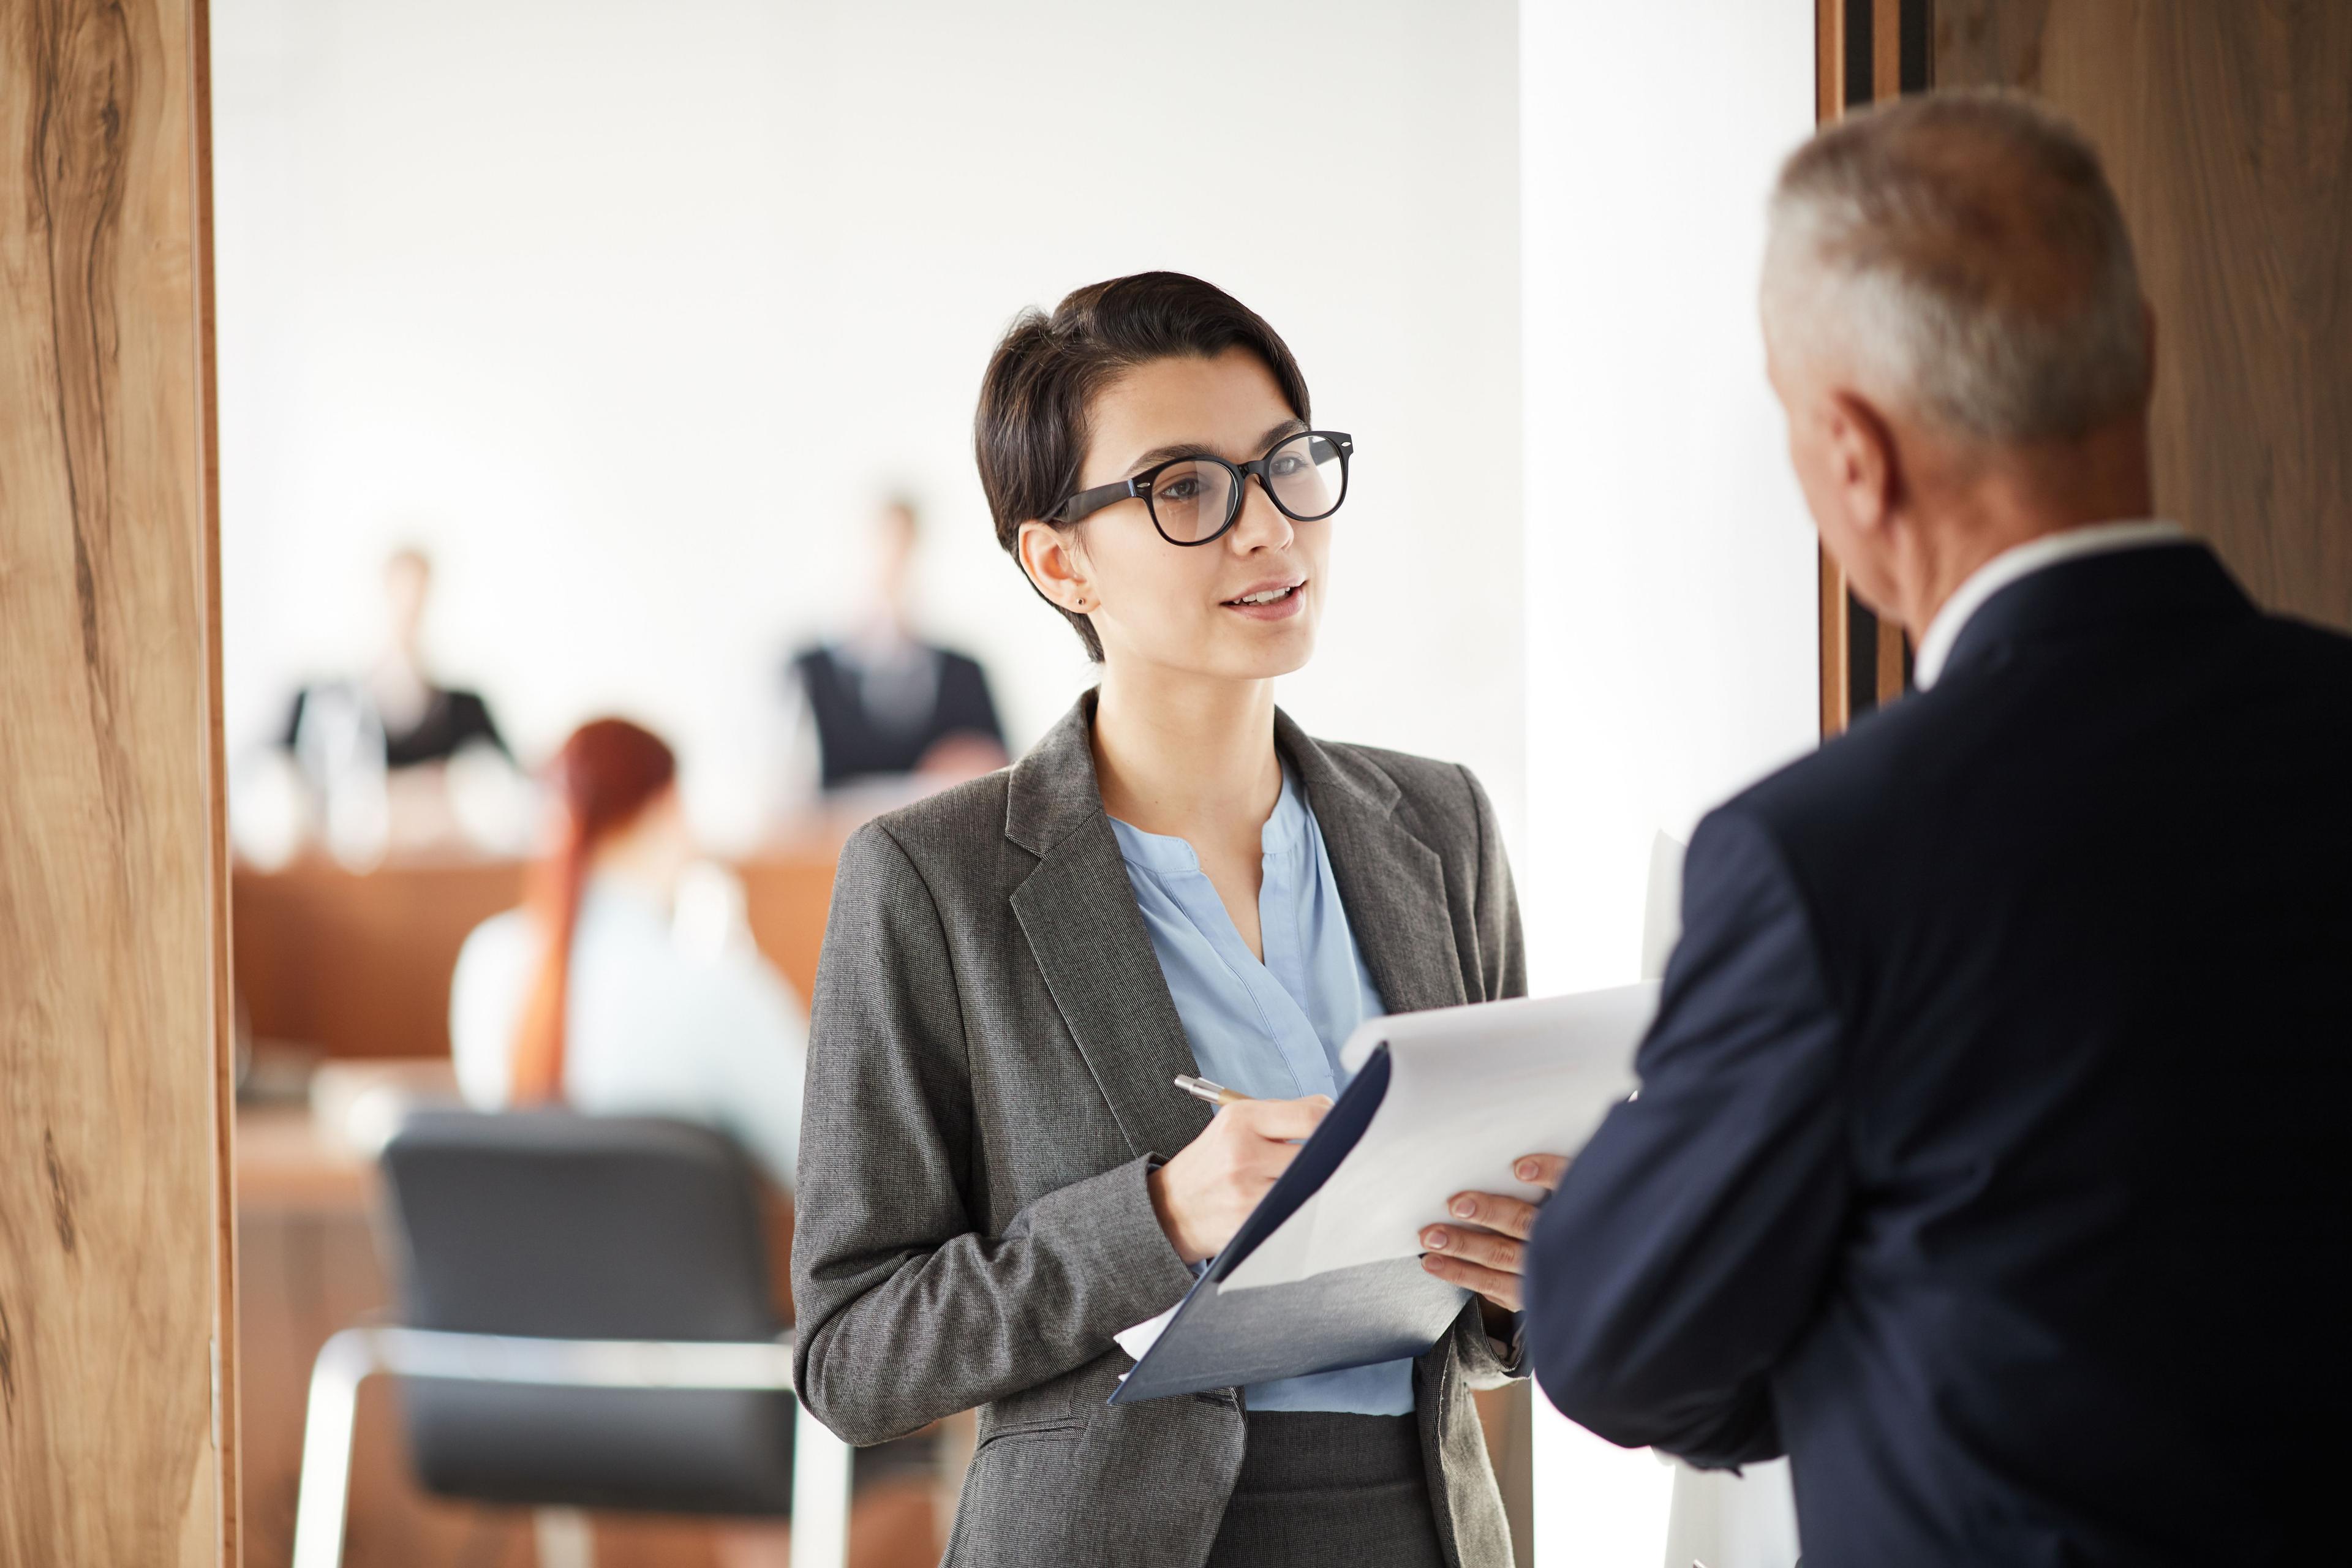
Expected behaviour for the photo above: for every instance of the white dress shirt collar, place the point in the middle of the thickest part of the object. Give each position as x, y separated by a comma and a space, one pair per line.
2020, 562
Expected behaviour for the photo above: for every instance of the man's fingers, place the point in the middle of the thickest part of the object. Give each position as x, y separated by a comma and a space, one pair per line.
1493, 1211
1503, 1289
1476, 1245
1544, 1170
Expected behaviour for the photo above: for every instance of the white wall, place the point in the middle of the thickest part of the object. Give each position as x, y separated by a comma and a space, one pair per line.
626, 310
1670, 569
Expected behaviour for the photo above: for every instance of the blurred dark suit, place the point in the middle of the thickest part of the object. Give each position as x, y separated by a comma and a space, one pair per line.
1990, 1156
882, 719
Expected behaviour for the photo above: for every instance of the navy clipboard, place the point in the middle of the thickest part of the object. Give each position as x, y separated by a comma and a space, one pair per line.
1348, 1317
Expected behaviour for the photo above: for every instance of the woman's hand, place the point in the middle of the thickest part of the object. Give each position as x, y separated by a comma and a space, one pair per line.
1486, 1252
1203, 1194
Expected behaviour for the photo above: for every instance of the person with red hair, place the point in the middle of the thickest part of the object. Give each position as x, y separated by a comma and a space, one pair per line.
597, 995
627, 984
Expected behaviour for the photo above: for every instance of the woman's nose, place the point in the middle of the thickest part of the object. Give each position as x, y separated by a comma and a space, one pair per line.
1262, 525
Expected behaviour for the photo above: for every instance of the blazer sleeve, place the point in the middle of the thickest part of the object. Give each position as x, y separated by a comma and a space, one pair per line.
1690, 1243
906, 1311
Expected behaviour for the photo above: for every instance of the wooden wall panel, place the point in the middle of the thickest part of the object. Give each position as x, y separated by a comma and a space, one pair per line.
1865, 52
2227, 129
109, 1138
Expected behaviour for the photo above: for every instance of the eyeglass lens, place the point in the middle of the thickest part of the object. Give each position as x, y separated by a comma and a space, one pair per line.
1195, 500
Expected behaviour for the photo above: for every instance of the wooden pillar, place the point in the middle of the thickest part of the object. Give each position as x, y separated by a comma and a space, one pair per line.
114, 1279
1865, 51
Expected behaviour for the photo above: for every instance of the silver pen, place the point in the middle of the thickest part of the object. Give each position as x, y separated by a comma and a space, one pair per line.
1216, 1094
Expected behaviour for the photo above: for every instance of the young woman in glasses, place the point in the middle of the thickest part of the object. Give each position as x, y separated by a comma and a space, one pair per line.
997, 1173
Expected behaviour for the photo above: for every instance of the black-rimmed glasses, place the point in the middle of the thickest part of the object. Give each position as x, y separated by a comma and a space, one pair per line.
1195, 500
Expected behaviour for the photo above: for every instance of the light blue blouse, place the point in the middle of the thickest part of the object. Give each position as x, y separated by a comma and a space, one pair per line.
1270, 1029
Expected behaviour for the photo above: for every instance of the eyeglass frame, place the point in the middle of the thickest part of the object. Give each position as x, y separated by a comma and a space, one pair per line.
1085, 503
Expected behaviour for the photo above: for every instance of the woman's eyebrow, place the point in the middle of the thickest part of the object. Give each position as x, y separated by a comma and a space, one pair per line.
1199, 450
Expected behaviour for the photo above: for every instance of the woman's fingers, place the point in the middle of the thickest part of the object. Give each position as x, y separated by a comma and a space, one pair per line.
1544, 1170
1279, 1119
1479, 1246
1498, 1287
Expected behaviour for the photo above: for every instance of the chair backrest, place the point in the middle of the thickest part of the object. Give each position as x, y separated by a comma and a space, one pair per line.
573, 1226
554, 1224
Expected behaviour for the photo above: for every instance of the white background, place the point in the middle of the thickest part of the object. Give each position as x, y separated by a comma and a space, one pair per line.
626, 311
1671, 570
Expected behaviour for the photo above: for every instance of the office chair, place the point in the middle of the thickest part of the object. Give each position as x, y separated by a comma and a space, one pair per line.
586, 1324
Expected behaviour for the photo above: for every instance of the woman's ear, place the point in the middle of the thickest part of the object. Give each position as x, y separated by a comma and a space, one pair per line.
1056, 567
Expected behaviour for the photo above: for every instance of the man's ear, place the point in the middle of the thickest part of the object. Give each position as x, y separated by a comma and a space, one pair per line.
1866, 467
1050, 557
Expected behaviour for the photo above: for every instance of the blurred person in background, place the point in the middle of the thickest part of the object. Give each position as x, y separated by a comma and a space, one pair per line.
627, 984
882, 716
390, 759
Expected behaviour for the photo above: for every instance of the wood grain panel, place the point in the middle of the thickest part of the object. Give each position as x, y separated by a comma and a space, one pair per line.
227, 1360
2227, 130
1863, 661
1828, 102
109, 1234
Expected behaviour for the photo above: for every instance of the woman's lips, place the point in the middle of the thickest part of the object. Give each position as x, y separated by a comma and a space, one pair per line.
1280, 609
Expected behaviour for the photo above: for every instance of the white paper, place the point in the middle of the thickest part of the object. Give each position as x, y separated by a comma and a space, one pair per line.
1470, 1090
1145, 1334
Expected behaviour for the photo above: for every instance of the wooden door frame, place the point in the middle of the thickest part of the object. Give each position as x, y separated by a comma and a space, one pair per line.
1842, 84
226, 1383
118, 1384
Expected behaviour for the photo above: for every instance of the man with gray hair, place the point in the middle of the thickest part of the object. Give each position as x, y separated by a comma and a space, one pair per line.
1986, 1160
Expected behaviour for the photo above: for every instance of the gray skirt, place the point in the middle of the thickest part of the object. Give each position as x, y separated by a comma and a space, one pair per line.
1320, 1489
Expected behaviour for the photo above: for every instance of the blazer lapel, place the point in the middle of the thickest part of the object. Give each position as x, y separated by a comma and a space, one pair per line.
1078, 909
1393, 884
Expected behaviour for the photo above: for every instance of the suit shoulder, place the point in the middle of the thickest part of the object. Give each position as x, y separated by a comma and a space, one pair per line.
2323, 653
946, 828
1874, 768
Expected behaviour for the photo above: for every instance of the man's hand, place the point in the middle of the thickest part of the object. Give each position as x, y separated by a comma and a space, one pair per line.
1203, 1194
1487, 1250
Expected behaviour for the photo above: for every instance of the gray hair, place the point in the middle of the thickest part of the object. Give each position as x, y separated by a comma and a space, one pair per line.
1961, 257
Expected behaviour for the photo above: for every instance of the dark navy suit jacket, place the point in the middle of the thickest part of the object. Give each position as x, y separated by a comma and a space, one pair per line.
1990, 1154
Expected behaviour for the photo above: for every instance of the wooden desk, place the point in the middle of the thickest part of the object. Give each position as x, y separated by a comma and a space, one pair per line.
358, 964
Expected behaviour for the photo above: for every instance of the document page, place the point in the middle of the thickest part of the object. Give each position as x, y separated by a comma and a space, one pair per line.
1471, 1090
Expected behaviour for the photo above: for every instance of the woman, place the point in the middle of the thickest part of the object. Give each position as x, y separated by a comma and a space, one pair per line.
997, 1174
594, 993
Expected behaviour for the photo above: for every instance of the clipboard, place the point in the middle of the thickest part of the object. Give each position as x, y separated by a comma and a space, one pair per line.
1298, 1318
1348, 1317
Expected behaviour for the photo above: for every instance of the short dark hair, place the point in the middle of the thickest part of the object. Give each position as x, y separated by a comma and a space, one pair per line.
1031, 428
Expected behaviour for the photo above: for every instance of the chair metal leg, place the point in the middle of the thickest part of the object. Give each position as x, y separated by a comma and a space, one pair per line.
344, 1362
564, 1538
820, 1469
821, 1463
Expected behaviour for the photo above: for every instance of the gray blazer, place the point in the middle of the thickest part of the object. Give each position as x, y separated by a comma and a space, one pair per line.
989, 1054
